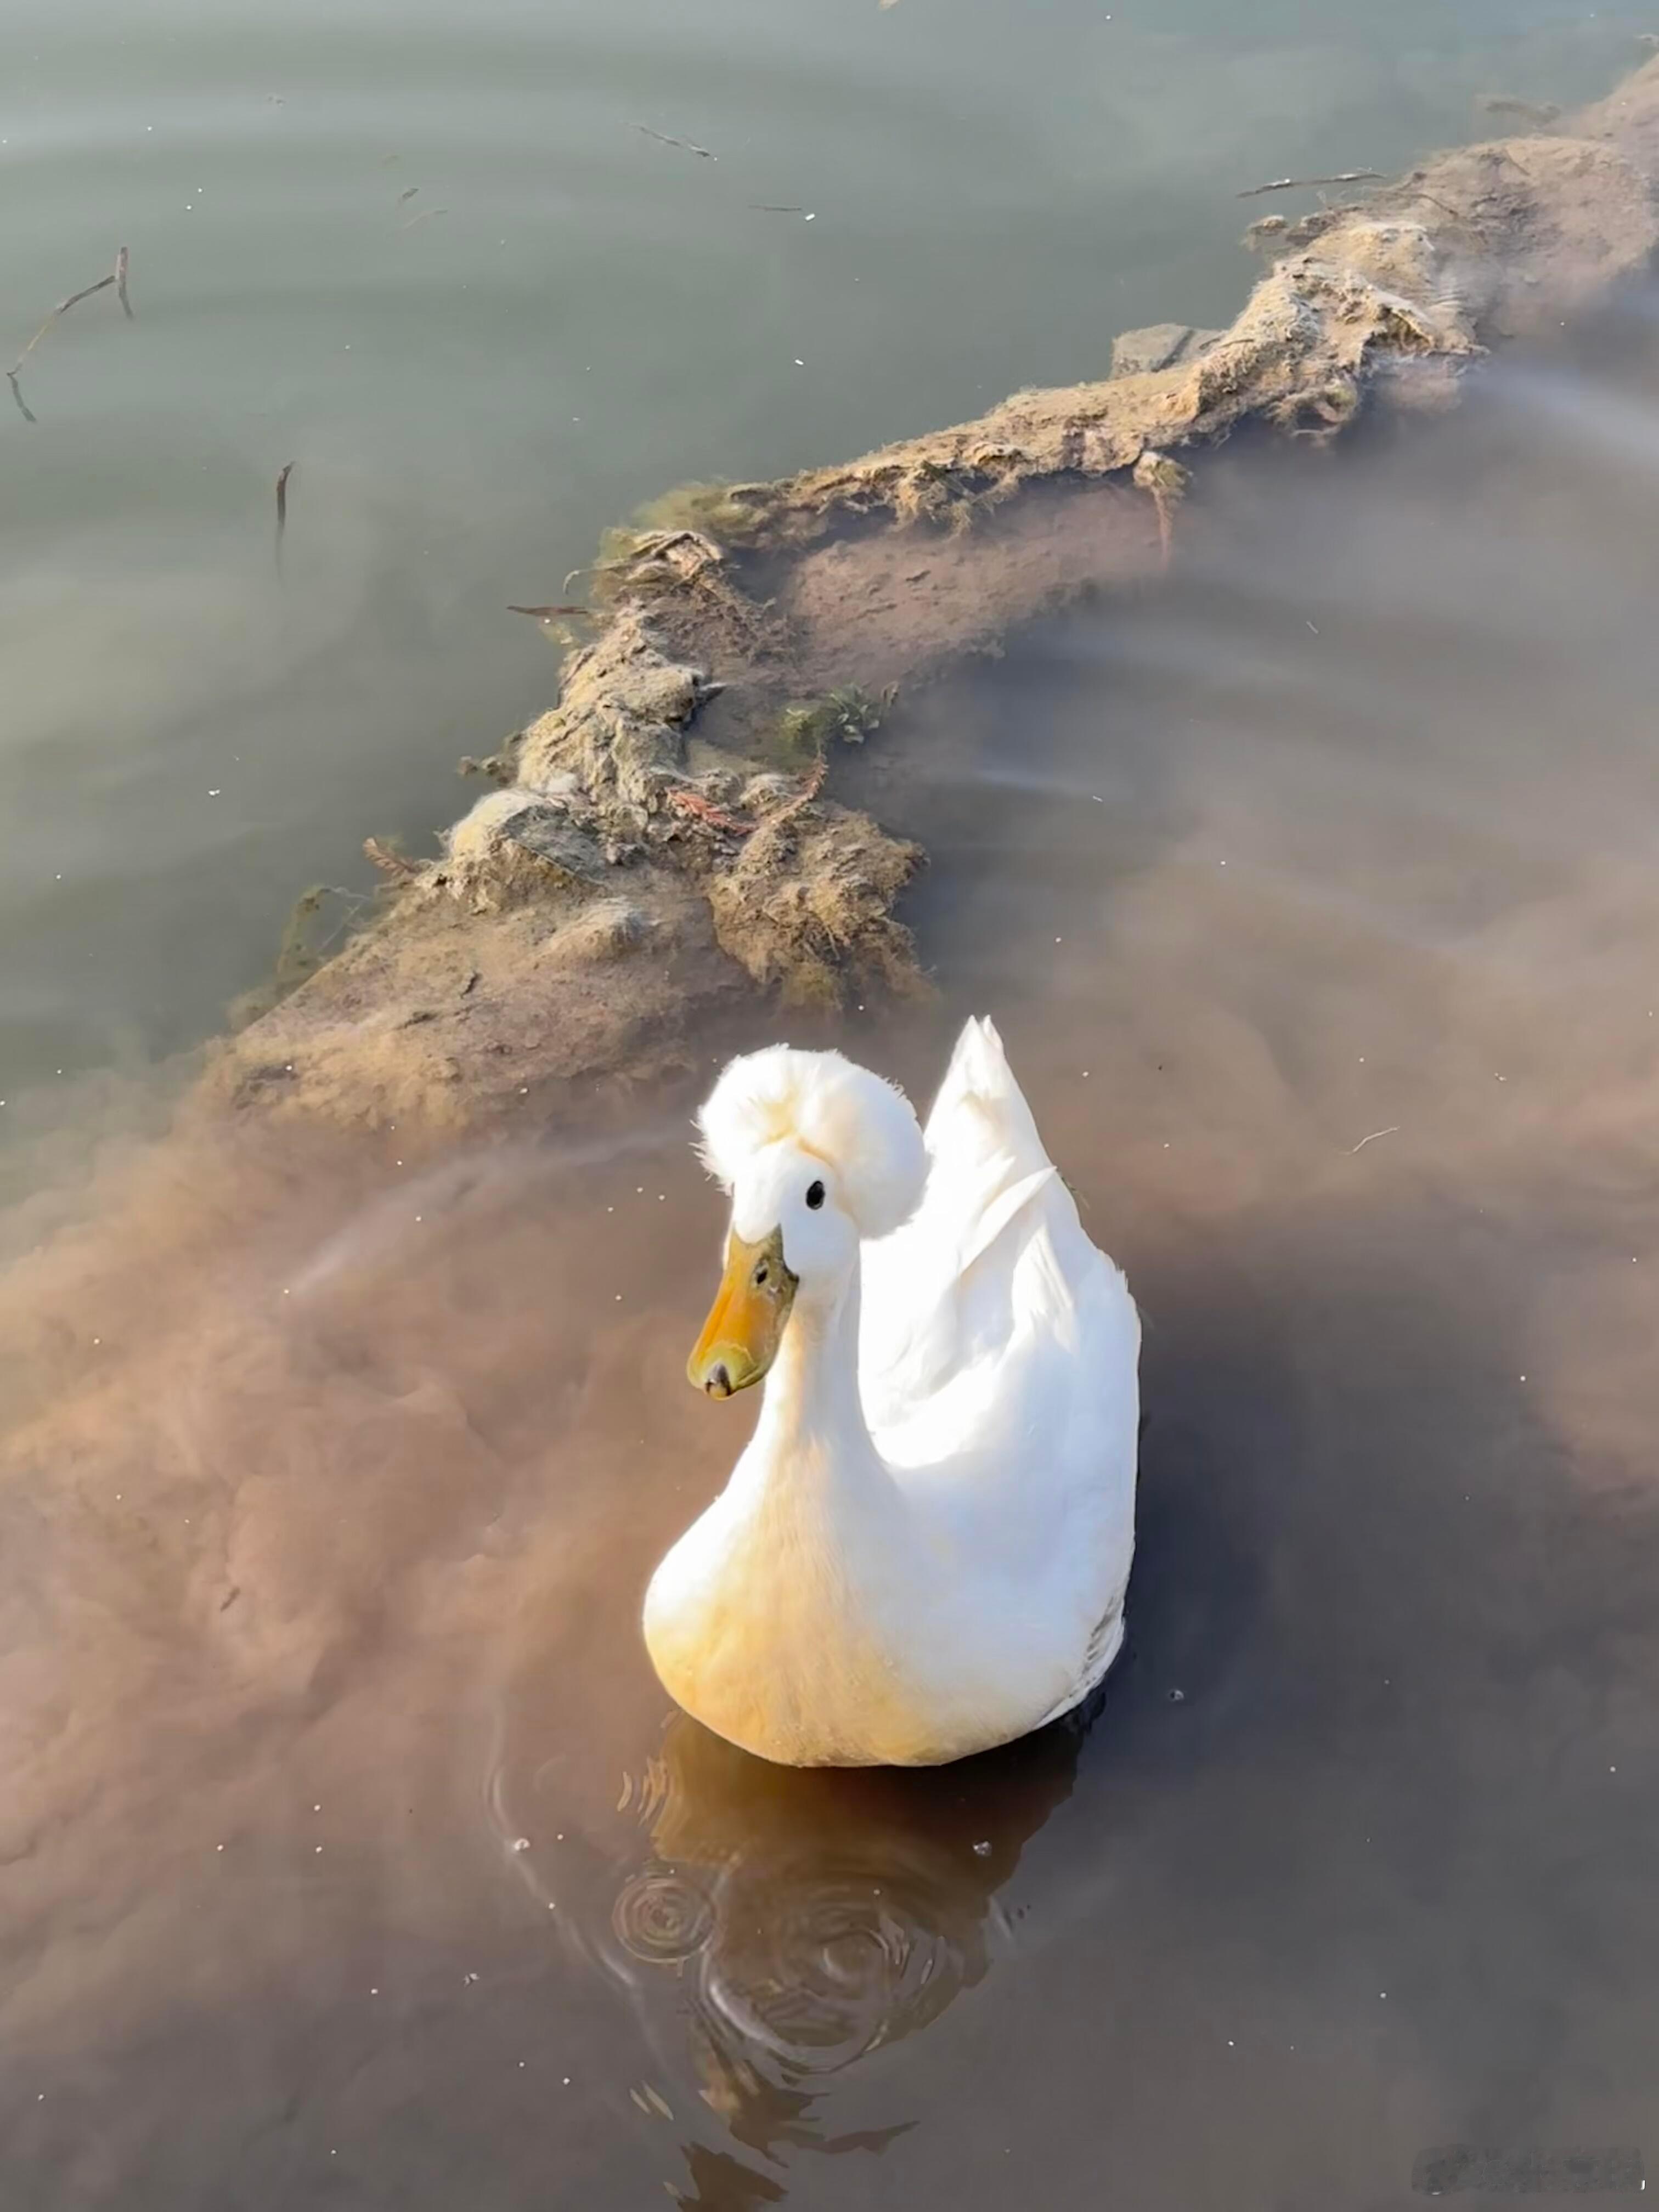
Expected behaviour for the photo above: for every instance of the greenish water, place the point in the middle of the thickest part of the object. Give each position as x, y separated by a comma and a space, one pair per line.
467, 398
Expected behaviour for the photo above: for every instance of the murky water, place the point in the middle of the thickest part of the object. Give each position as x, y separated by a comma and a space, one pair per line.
350, 1853
423, 252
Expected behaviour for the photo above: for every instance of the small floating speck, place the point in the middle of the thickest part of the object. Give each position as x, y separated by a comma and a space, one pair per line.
981, 1851
522, 1844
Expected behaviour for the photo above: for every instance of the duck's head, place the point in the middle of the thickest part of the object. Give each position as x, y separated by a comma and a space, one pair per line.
816, 1155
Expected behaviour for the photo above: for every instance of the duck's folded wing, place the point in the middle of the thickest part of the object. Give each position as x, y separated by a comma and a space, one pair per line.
939, 1294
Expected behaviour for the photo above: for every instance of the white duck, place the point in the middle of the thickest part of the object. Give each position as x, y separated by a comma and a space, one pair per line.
924, 1550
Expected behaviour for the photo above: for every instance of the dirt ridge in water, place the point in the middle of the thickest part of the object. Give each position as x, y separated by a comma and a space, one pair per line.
667, 836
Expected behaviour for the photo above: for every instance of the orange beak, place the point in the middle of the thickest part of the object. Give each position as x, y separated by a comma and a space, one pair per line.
746, 1324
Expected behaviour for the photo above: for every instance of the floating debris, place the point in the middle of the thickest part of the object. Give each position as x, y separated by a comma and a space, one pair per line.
425, 216
62, 308
1303, 184
1392, 1131
686, 145
282, 475
407, 193
397, 865
118, 278
551, 614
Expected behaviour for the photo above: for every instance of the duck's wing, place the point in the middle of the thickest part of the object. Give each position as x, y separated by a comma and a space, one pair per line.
939, 1294
1007, 1411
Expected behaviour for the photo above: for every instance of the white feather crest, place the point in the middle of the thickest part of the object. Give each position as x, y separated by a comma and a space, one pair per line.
861, 1127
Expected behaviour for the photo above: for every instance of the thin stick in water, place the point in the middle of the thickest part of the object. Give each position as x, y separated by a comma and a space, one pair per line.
17, 394
62, 308
121, 282
1303, 184
686, 145
547, 613
282, 475
1392, 1131
425, 216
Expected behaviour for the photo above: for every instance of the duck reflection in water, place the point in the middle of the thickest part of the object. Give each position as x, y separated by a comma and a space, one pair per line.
813, 1916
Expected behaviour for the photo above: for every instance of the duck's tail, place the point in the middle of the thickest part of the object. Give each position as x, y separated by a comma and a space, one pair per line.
979, 1119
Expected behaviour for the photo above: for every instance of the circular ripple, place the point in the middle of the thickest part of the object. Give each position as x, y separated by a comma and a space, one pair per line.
663, 1918
824, 1968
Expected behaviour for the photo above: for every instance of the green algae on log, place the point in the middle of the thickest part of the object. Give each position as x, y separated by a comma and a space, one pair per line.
646, 853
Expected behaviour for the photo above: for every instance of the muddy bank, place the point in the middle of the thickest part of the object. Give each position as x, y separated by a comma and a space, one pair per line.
669, 837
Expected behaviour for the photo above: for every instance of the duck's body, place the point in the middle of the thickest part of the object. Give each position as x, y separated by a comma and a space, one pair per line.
924, 1550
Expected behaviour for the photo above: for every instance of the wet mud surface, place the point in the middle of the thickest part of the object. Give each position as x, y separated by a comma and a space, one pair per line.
681, 812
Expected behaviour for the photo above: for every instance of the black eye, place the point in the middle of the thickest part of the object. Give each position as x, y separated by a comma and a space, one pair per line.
759, 1274
815, 1196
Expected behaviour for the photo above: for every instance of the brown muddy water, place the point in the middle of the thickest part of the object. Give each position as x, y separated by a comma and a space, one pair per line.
349, 1854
